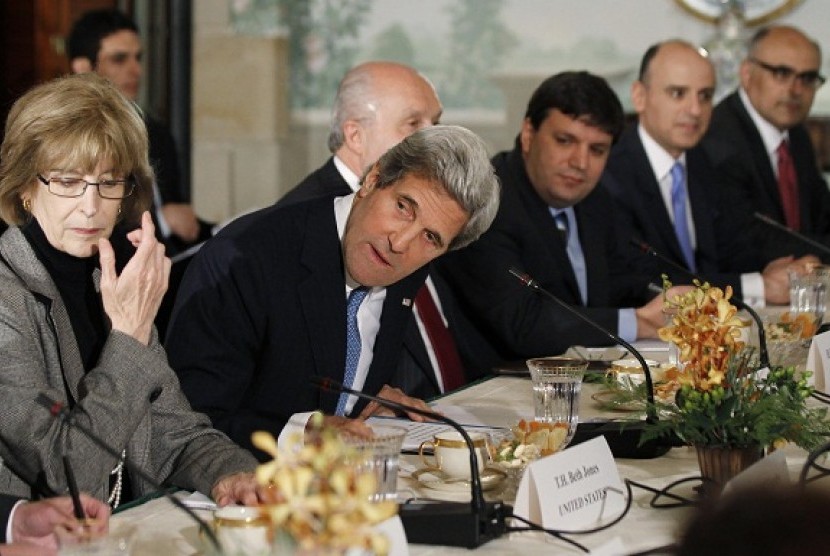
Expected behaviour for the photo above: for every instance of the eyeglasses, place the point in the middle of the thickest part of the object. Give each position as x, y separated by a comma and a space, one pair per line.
70, 186
785, 74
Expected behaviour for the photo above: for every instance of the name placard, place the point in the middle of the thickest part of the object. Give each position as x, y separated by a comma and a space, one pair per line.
577, 488
818, 361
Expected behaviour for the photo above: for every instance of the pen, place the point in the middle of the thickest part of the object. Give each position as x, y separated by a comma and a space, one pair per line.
73, 490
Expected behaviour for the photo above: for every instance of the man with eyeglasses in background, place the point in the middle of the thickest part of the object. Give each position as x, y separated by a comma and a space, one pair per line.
761, 148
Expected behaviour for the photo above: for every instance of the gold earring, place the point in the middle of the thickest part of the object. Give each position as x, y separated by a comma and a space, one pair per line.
27, 205
119, 210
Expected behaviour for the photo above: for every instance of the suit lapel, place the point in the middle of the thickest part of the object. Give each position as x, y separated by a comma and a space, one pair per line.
760, 158
323, 298
656, 213
539, 215
397, 308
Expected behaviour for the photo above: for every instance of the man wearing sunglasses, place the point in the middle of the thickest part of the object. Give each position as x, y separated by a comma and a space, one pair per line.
760, 146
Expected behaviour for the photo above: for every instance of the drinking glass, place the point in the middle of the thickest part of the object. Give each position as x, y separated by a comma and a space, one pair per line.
557, 382
807, 294
380, 454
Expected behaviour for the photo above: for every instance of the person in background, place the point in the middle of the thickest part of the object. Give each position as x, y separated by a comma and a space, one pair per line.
29, 528
76, 315
377, 105
557, 225
761, 148
324, 288
107, 42
772, 520
667, 191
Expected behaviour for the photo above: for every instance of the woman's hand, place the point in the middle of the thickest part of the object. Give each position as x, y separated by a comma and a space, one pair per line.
132, 299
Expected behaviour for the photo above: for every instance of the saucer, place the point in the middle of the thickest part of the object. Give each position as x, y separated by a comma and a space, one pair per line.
434, 479
609, 399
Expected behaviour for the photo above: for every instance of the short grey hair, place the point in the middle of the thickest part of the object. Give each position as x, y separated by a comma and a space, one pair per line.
350, 103
456, 158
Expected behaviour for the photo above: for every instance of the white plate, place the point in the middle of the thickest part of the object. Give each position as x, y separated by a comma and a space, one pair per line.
430, 478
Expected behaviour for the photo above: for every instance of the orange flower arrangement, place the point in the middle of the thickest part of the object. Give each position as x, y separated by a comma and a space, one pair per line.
723, 399
706, 330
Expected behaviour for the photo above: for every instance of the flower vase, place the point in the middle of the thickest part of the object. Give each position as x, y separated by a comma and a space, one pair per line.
718, 464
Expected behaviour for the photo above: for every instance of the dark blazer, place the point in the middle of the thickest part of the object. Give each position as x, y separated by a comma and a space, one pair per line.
518, 321
742, 163
325, 181
7, 502
262, 309
722, 252
414, 374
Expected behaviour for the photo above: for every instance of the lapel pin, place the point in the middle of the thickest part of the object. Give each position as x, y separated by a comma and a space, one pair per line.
406, 302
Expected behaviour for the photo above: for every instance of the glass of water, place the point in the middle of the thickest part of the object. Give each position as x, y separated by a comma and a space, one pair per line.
808, 294
380, 454
557, 382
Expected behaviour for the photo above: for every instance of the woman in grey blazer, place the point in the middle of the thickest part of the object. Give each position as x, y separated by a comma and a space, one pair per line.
77, 307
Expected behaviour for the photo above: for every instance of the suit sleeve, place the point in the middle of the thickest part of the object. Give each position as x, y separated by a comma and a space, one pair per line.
522, 322
7, 504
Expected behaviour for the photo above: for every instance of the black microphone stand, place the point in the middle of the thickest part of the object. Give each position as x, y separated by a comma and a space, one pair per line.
792, 233
763, 354
626, 442
59, 410
443, 524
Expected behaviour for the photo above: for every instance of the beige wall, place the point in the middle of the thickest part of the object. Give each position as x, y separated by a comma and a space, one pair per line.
249, 148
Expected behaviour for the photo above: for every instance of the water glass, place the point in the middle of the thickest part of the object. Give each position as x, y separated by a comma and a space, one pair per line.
557, 382
808, 294
380, 454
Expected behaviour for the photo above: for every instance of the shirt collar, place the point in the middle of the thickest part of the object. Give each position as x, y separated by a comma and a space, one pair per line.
661, 161
352, 179
342, 209
770, 135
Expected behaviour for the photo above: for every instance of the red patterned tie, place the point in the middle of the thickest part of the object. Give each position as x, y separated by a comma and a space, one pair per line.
788, 186
443, 344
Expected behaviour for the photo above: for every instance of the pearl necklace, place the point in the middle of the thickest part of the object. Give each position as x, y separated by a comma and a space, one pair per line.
118, 471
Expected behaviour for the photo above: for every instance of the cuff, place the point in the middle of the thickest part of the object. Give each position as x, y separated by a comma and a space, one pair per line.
295, 426
627, 325
752, 290
9, 527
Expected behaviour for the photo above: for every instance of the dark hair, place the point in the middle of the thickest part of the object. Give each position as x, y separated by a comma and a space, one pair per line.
646, 61
85, 38
580, 95
774, 521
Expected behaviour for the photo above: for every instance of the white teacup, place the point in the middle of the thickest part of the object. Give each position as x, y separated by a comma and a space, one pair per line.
451, 455
242, 530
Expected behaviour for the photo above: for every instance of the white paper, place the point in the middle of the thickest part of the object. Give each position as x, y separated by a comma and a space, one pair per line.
818, 361
577, 488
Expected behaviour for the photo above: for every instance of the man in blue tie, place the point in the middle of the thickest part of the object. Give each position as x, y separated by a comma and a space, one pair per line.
666, 190
325, 288
555, 224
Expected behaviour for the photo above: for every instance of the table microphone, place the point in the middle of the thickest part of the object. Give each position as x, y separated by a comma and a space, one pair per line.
442, 523
60, 411
763, 354
622, 438
792, 233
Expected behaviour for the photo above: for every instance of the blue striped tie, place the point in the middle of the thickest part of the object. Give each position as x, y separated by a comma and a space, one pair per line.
681, 225
352, 345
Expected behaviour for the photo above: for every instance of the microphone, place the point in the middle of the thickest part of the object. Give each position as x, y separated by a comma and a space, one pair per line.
625, 440
763, 354
442, 523
792, 233
59, 411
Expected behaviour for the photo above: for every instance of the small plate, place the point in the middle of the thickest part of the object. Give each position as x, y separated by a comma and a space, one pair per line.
431, 478
608, 400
